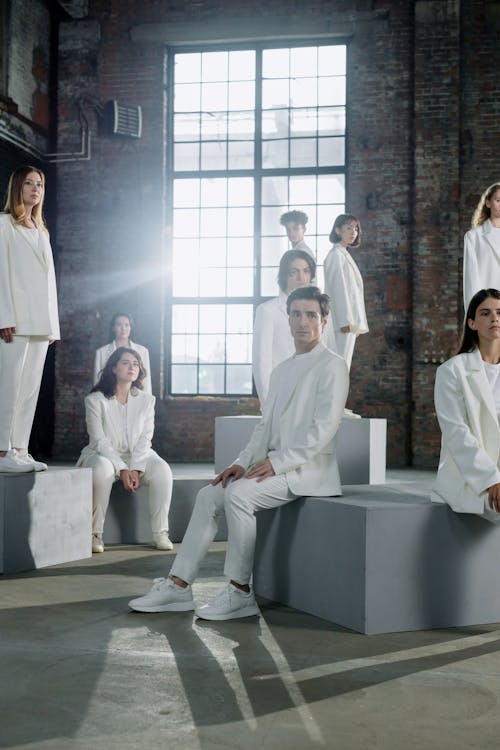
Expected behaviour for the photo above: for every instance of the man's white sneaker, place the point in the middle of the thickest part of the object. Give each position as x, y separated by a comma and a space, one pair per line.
13, 464
229, 604
97, 543
37, 465
161, 540
164, 596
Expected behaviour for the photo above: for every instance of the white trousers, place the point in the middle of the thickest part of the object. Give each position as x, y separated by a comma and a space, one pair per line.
157, 476
344, 345
240, 500
21, 370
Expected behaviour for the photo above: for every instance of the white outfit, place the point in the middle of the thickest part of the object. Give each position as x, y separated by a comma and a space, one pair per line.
301, 245
297, 434
120, 438
104, 353
481, 260
272, 341
344, 285
28, 302
470, 445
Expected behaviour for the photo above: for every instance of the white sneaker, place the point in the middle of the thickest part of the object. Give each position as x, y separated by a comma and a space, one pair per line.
97, 543
229, 604
161, 540
12, 463
164, 596
37, 465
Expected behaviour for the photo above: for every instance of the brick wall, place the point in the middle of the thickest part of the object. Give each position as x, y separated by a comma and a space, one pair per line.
422, 94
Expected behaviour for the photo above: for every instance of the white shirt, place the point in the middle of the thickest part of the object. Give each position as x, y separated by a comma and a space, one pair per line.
493, 375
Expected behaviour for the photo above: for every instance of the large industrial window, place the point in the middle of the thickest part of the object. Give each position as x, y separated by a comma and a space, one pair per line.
252, 133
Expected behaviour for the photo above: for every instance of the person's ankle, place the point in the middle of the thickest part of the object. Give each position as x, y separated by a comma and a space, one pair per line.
179, 582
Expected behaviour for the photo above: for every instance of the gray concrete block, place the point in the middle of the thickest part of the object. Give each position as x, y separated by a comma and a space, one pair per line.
379, 560
45, 518
128, 521
361, 446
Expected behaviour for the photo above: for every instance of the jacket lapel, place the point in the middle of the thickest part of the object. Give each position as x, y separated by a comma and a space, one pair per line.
486, 228
480, 385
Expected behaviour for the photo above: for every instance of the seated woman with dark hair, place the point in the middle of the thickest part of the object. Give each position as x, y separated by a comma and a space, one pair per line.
121, 333
120, 425
467, 399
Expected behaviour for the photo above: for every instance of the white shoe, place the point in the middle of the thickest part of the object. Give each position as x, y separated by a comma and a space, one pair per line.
164, 596
97, 543
229, 604
37, 465
13, 464
161, 540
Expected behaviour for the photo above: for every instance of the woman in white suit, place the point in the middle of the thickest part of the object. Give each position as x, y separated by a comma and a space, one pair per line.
344, 285
482, 245
467, 399
121, 332
120, 425
29, 319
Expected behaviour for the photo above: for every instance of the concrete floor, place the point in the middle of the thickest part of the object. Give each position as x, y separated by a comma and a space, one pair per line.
79, 670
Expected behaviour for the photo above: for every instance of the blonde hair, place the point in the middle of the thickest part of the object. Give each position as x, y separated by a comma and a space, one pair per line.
482, 212
14, 204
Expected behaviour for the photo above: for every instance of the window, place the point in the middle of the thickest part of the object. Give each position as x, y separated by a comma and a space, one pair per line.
253, 133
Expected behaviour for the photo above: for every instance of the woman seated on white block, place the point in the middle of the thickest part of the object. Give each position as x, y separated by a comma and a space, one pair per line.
120, 424
467, 399
121, 332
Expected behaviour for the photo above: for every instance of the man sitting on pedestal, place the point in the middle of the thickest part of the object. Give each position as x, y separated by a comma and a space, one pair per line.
290, 454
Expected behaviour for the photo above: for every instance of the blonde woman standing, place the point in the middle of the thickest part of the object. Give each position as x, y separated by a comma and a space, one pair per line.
28, 314
482, 245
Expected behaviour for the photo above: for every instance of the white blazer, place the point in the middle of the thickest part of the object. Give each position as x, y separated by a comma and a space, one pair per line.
481, 262
344, 285
308, 426
28, 298
272, 342
470, 445
105, 428
104, 353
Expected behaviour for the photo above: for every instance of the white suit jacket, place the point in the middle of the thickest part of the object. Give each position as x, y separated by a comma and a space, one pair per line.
104, 353
470, 445
105, 428
272, 342
481, 262
308, 426
344, 285
28, 298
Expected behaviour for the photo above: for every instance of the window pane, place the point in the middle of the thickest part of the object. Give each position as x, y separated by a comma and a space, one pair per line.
331, 91
242, 95
268, 282
214, 66
275, 154
276, 63
239, 282
211, 379
303, 92
186, 156
240, 191
241, 125
186, 222
331, 121
187, 127
303, 152
239, 347
332, 59
304, 122
184, 379
213, 192
213, 155
275, 123
214, 96
184, 319
239, 379
240, 155
184, 348
187, 68
271, 220
303, 190
213, 126
239, 318
212, 222
272, 248
213, 253
213, 282
212, 348
275, 93
186, 193
275, 191
212, 318
330, 152
187, 97
303, 61
331, 188
240, 222
240, 251
242, 65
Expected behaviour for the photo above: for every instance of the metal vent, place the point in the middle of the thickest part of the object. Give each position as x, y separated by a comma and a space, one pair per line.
123, 120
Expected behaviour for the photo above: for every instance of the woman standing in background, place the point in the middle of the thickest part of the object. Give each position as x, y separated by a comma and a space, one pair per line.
121, 331
344, 285
29, 319
482, 245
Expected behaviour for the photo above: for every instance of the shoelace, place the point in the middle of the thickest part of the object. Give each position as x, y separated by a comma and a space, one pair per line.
158, 583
